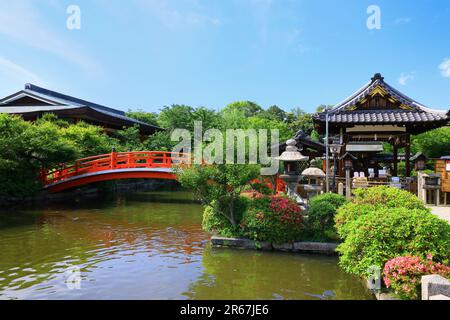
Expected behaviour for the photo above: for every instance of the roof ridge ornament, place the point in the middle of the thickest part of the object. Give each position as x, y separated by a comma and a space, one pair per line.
377, 76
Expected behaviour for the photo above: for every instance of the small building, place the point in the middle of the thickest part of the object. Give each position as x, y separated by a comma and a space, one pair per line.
374, 115
34, 101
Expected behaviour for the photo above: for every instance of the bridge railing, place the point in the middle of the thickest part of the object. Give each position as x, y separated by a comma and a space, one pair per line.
114, 160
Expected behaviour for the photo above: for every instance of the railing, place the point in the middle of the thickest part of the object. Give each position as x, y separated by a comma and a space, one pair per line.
114, 160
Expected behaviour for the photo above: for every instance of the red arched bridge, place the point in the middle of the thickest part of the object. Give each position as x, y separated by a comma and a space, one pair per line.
119, 165
113, 166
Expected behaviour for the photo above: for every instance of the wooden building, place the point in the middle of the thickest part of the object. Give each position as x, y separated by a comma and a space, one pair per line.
374, 115
34, 101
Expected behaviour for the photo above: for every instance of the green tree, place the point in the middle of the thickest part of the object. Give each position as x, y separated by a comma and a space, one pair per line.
26, 148
218, 186
433, 144
88, 140
148, 117
177, 116
159, 141
247, 107
129, 139
275, 113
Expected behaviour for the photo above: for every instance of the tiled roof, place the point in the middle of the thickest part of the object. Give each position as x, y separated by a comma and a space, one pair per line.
61, 101
381, 116
342, 112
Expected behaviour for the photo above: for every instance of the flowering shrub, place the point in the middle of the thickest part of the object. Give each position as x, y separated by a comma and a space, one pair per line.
374, 199
218, 224
388, 197
261, 187
386, 233
275, 219
403, 274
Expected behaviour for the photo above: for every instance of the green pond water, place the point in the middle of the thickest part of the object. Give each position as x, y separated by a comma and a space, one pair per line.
148, 246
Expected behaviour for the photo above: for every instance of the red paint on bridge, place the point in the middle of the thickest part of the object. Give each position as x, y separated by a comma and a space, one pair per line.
119, 165
113, 166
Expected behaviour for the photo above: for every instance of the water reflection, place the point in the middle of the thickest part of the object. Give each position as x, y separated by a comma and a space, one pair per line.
147, 246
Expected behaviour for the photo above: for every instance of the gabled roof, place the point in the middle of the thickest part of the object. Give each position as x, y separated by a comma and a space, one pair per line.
47, 101
406, 109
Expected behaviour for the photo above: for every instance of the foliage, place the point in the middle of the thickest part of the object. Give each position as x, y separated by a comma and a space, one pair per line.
27, 147
434, 143
274, 113
148, 117
248, 108
350, 212
403, 274
129, 139
217, 223
321, 212
218, 186
88, 140
369, 200
275, 219
386, 233
388, 196
159, 141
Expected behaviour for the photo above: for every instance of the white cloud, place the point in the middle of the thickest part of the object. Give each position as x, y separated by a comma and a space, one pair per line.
405, 78
21, 22
445, 68
21, 74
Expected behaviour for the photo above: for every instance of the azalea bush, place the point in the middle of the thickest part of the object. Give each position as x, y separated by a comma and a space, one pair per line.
321, 212
388, 197
216, 223
375, 238
374, 199
403, 274
274, 219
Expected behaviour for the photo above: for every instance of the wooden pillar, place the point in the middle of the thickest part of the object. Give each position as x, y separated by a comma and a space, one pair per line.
395, 161
408, 156
348, 184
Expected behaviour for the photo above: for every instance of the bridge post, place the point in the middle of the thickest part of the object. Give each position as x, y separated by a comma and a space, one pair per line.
113, 158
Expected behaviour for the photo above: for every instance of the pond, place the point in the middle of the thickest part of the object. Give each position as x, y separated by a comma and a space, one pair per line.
148, 246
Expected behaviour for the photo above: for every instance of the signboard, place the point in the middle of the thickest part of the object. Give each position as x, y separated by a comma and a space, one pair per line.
447, 166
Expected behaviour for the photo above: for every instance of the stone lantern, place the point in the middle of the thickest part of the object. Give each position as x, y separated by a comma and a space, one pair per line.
314, 185
291, 158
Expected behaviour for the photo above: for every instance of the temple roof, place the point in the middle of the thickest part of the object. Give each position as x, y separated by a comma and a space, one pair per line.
37, 100
377, 102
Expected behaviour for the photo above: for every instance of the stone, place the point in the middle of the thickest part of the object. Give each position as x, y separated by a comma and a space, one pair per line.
434, 285
318, 247
283, 247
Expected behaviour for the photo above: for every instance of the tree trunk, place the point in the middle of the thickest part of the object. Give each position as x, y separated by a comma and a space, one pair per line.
232, 218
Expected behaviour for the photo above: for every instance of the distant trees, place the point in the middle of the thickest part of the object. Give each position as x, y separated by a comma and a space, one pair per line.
26, 147
434, 143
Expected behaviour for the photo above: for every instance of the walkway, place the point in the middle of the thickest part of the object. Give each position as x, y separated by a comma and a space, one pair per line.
442, 212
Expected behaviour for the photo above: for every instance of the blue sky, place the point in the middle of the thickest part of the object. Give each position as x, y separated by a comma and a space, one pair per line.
294, 53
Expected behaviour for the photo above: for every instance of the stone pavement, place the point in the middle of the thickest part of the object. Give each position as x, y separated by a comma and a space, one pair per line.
442, 212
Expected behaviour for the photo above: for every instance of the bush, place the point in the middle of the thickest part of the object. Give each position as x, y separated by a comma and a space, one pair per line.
350, 212
403, 274
215, 222
388, 197
386, 233
274, 219
372, 199
321, 212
